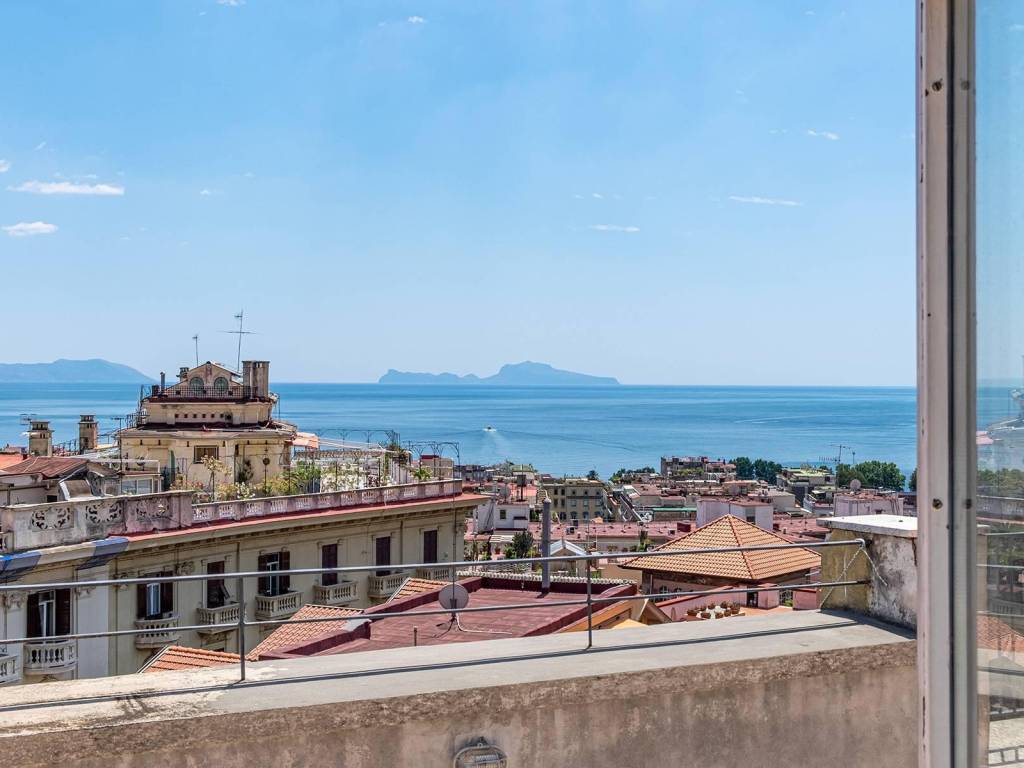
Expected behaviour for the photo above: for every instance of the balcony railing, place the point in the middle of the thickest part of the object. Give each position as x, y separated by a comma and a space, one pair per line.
159, 632
386, 586
44, 657
278, 606
335, 594
56, 654
434, 572
225, 614
186, 391
311, 502
10, 672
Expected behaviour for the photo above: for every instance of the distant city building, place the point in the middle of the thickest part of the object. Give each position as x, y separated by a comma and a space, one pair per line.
756, 512
852, 504
800, 480
577, 498
695, 468
214, 413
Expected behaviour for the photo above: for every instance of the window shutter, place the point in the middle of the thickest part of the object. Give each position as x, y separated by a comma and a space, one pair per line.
63, 624
264, 583
286, 581
35, 627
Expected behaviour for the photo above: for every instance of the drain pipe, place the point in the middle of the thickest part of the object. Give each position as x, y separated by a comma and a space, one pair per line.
545, 545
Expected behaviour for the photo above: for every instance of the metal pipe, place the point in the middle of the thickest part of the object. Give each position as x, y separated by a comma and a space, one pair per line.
545, 545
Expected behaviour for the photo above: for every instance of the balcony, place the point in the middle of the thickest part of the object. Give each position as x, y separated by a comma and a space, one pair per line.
386, 586
10, 672
159, 632
48, 657
335, 594
225, 614
435, 573
278, 606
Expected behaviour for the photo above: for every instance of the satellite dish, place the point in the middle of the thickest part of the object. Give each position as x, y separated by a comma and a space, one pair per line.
855, 484
453, 597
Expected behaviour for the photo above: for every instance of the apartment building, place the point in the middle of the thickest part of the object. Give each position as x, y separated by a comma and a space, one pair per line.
165, 534
212, 412
576, 498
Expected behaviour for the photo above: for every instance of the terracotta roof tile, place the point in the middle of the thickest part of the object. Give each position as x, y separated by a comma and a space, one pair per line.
47, 466
414, 586
175, 658
288, 635
729, 531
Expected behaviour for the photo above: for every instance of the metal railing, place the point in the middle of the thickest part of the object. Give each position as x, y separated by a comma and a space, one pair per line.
588, 601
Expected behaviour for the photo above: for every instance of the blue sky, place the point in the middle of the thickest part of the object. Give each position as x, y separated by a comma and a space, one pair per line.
666, 192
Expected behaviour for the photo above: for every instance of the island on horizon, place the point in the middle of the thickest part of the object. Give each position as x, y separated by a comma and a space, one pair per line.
62, 371
524, 374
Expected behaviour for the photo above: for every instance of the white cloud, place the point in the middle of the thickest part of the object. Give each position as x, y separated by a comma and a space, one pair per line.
416, 20
5, 165
1016, 27
810, 13
29, 228
763, 200
249, 175
597, 195
614, 228
231, 3
68, 188
823, 134
40, 145
578, 197
205, 192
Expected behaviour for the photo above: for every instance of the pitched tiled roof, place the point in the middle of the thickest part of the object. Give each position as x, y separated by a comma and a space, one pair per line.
729, 531
414, 586
175, 658
997, 635
47, 466
288, 635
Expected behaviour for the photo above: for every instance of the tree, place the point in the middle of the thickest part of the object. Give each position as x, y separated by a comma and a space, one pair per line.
766, 471
592, 475
744, 468
872, 474
913, 480
422, 474
521, 546
215, 467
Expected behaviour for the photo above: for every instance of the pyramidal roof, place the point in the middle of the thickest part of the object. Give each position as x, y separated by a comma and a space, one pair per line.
730, 531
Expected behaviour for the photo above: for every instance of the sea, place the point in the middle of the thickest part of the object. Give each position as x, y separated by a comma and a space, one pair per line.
562, 430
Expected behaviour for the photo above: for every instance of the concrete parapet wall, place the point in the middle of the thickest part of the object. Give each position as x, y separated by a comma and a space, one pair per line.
784, 689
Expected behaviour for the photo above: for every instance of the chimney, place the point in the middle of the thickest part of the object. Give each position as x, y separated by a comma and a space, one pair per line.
163, 381
256, 375
40, 439
183, 373
88, 433
545, 545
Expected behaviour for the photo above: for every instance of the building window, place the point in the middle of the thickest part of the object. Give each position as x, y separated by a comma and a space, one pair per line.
430, 546
328, 559
382, 553
220, 385
49, 613
155, 600
274, 584
216, 590
203, 451
196, 385
501, 514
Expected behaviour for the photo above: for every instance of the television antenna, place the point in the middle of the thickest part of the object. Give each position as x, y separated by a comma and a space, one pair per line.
240, 317
196, 340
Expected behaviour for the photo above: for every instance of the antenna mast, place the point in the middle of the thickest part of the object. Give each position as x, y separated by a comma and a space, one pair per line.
196, 340
240, 317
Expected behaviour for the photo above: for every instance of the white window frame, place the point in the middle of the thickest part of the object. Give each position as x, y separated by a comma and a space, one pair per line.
946, 381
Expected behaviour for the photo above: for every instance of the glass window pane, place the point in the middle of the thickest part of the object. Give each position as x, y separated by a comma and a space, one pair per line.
999, 115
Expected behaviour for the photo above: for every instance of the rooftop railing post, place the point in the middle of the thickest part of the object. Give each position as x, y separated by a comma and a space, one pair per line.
545, 545
240, 588
590, 608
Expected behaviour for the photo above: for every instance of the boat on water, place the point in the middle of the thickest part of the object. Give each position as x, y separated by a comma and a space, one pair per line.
489, 428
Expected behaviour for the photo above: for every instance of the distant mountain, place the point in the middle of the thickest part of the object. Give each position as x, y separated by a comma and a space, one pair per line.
525, 374
62, 371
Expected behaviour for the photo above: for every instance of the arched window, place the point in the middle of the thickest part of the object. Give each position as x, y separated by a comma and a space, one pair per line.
220, 384
196, 384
